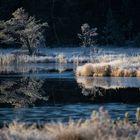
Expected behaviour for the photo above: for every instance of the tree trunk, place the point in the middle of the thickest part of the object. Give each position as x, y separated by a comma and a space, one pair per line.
27, 44
29, 48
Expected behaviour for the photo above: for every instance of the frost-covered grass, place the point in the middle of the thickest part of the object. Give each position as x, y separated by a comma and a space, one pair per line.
127, 57
47, 55
99, 127
116, 62
6, 59
115, 66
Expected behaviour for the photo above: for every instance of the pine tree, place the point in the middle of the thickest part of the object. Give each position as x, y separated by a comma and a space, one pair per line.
24, 30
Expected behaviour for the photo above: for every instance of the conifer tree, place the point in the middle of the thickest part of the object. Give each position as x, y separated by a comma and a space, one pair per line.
24, 30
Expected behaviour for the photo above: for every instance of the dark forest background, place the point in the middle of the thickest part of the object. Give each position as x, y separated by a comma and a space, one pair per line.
117, 18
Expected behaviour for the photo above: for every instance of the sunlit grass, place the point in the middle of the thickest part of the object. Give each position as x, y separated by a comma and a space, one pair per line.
102, 64
7, 59
121, 67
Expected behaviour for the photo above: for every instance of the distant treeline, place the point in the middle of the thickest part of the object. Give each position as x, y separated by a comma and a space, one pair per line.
117, 20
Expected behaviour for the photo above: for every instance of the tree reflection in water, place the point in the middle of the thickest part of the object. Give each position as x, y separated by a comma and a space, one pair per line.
95, 85
23, 92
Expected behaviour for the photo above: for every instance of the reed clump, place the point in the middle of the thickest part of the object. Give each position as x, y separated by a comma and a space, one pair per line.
9, 59
99, 70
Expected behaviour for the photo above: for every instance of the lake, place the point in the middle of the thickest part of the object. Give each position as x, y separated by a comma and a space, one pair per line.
44, 92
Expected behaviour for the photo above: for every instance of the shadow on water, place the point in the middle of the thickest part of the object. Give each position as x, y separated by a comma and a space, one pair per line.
28, 91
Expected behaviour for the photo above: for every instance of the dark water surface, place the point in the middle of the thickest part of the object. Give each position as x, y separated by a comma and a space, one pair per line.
43, 96
63, 112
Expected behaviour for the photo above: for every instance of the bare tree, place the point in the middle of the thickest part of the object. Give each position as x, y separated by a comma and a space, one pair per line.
24, 30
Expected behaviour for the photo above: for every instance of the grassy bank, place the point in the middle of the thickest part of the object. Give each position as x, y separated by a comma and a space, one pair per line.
99, 127
122, 67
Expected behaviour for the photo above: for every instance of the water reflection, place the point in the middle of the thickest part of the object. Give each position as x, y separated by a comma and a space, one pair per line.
61, 98
109, 82
21, 91
110, 89
40, 91
36, 68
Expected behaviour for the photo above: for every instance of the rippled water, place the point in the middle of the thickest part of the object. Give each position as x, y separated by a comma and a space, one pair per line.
62, 88
63, 112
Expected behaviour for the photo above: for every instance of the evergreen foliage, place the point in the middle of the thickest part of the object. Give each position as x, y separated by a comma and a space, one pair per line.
24, 30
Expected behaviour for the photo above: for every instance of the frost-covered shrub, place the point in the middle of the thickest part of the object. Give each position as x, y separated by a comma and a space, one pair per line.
88, 35
24, 30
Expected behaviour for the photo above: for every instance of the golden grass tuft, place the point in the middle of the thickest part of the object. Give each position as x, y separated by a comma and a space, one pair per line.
93, 70
105, 70
117, 73
6, 59
87, 70
129, 73
138, 73
100, 71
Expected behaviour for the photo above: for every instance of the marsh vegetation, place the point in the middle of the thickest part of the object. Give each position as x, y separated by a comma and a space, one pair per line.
65, 83
99, 126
